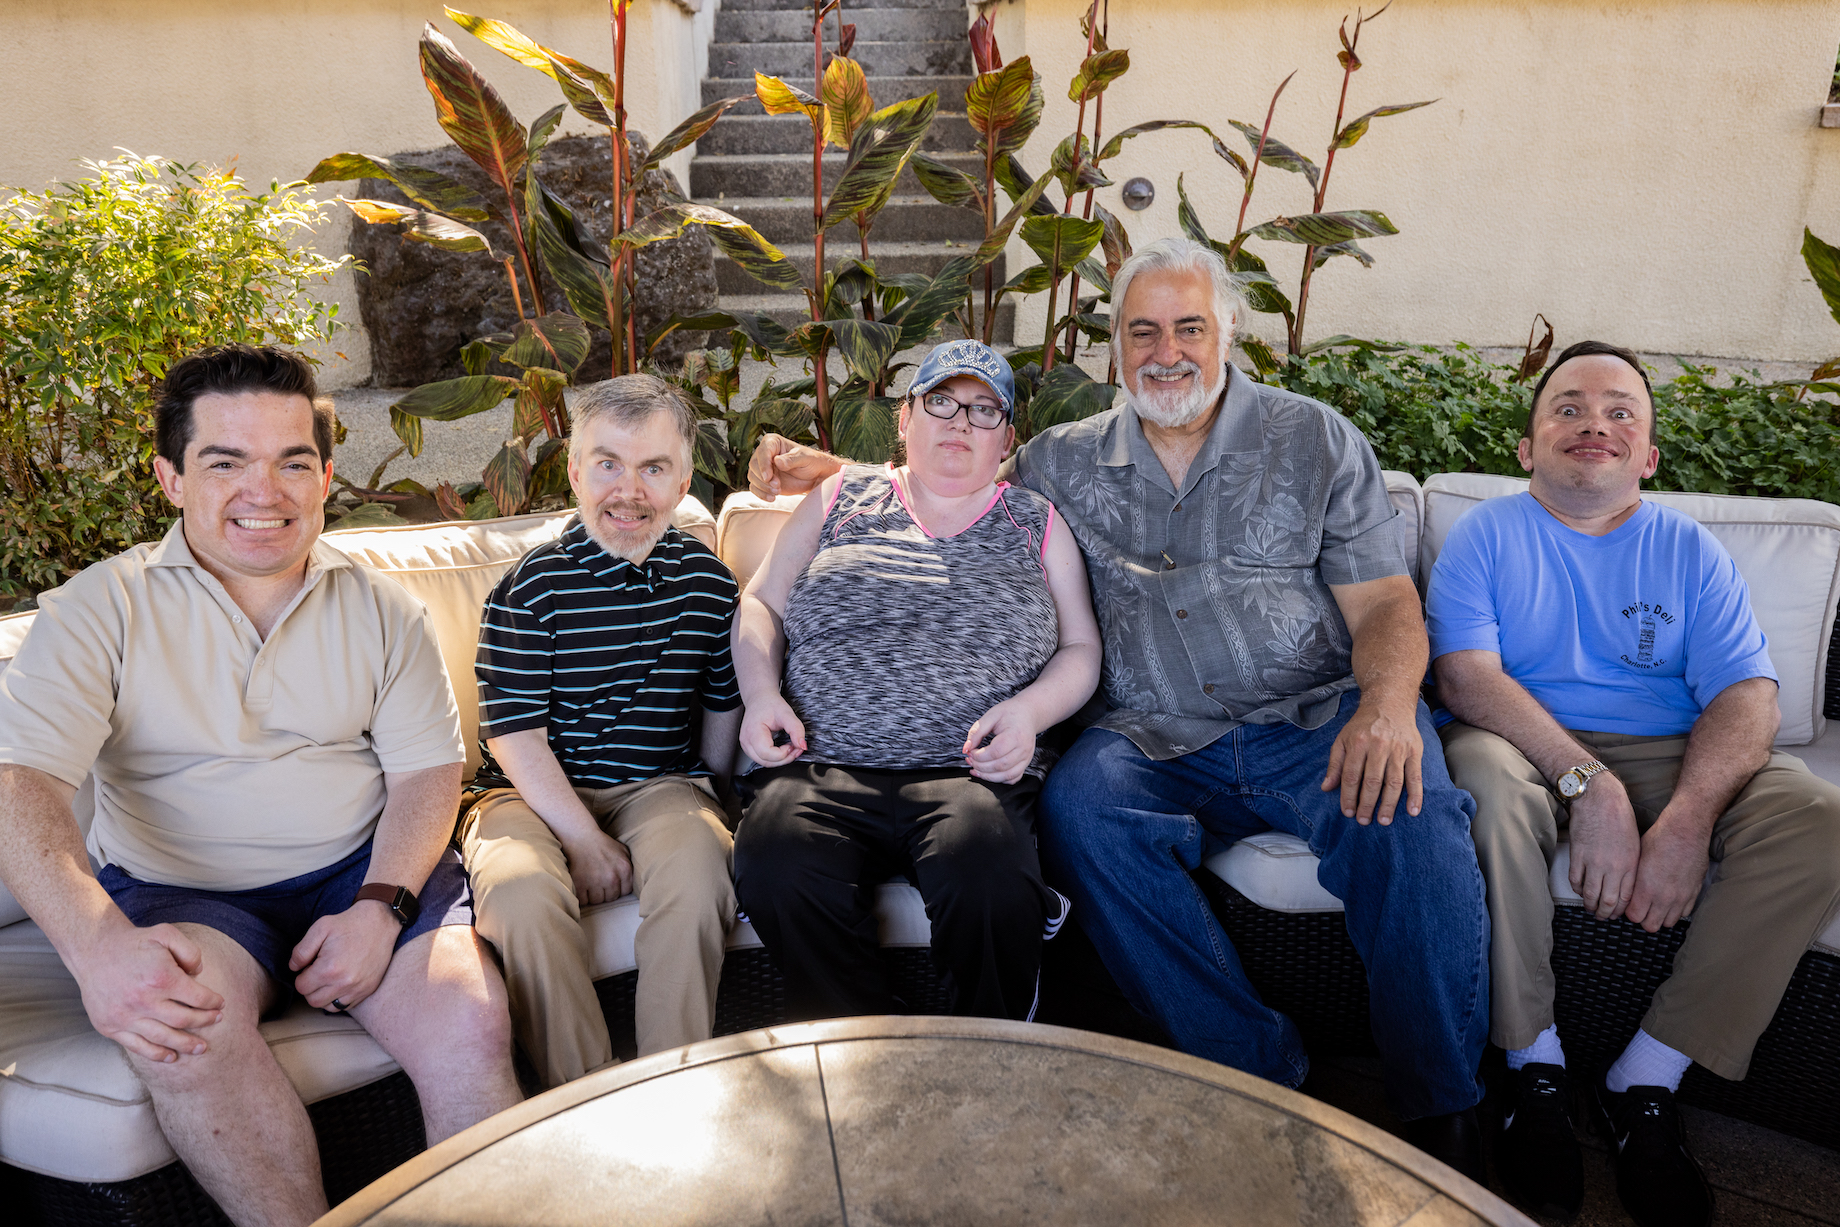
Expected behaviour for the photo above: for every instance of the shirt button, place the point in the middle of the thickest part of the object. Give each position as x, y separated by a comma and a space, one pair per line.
1208, 689
236, 618
1170, 567
1177, 507
1181, 613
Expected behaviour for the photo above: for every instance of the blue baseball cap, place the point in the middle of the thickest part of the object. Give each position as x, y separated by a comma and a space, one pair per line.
973, 358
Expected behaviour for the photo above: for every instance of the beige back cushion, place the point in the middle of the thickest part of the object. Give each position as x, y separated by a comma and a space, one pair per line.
1408, 499
1787, 549
746, 529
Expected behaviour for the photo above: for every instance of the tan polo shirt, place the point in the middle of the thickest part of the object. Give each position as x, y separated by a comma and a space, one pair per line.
223, 761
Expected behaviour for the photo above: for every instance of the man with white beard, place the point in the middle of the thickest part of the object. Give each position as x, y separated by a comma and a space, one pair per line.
1264, 647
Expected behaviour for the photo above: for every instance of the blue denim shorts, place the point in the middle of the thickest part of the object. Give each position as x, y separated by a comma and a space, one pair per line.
269, 921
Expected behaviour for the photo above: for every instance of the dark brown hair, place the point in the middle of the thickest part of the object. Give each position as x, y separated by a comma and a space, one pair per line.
1586, 349
230, 369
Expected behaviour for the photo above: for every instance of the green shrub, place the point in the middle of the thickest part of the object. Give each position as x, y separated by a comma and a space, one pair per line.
103, 283
1427, 411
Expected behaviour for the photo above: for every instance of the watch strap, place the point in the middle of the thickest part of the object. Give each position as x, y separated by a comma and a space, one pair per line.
399, 899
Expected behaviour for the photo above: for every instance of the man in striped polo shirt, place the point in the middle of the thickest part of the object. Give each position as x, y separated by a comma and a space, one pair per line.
596, 654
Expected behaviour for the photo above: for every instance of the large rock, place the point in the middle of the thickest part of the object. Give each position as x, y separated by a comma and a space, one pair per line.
422, 304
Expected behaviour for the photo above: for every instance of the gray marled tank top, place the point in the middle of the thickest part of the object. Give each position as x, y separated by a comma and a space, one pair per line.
898, 641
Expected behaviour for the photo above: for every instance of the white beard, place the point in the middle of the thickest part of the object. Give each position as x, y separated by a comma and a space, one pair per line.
1170, 408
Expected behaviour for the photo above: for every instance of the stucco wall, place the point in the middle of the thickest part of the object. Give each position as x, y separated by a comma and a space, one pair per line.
1638, 171
275, 85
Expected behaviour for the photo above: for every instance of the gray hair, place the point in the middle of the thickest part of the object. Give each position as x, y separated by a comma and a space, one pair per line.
630, 400
1179, 255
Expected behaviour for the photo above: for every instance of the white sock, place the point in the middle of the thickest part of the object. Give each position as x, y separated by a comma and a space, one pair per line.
1647, 1062
1544, 1049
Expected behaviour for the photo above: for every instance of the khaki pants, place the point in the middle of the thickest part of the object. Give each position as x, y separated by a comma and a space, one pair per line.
1778, 883
525, 903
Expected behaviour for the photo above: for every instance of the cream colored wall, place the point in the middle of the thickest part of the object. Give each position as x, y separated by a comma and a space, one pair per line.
1638, 171
275, 85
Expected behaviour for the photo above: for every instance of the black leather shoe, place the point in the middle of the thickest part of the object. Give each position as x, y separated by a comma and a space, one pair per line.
1657, 1178
1454, 1139
1538, 1157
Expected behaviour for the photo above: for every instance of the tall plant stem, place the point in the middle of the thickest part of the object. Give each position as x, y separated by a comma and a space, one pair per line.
616, 22
629, 263
988, 330
1258, 156
822, 371
1079, 140
1322, 187
516, 298
1073, 300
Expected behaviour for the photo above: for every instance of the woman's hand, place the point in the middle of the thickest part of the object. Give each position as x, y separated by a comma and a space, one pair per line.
1001, 743
761, 721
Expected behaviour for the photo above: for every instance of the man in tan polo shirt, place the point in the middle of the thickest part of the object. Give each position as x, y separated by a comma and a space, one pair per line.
277, 759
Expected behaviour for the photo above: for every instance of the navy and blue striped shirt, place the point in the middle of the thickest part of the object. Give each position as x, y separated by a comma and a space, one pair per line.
611, 657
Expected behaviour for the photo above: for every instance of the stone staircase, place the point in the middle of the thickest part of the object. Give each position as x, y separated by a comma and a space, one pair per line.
758, 166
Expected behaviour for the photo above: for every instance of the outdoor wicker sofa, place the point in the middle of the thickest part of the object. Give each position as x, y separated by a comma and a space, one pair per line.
79, 1143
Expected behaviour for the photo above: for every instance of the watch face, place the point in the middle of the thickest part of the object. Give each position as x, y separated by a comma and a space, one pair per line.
1570, 785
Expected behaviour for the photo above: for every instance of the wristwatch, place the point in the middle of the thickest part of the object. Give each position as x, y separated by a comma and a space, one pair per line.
402, 902
1573, 783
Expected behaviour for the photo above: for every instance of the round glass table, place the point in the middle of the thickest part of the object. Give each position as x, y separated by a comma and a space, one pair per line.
878, 1122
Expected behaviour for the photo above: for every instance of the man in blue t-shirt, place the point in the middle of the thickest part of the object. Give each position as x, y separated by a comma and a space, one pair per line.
1608, 679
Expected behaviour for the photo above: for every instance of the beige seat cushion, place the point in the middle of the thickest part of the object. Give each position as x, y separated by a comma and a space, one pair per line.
1787, 549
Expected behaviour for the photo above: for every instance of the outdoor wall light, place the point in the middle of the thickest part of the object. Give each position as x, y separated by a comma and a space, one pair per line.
1138, 193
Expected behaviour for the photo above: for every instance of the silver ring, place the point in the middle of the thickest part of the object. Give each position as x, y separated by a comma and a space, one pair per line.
339, 1006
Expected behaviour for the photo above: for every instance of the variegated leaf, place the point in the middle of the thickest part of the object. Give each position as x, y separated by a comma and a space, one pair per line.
1323, 229
542, 130
1278, 154
1067, 394
1017, 134
429, 188
472, 113
864, 345
1113, 146
586, 282
945, 183
1015, 181
1098, 71
408, 428
1263, 359
779, 98
507, 477
689, 132
1357, 128
1074, 179
1116, 244
549, 470
739, 241
863, 426
890, 136
711, 457
450, 399
845, 93
1350, 248
1061, 241
576, 86
1823, 261
555, 340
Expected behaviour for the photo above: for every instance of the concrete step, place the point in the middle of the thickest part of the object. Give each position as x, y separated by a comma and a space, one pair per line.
787, 219
878, 24
886, 59
746, 134
791, 310
789, 174
884, 90
804, 6
890, 257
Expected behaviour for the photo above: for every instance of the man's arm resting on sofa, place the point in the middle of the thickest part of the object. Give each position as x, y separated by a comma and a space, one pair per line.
138, 985
1605, 841
599, 864
343, 956
1729, 743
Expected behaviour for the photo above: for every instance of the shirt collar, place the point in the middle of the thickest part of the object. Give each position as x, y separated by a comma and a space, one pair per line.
174, 550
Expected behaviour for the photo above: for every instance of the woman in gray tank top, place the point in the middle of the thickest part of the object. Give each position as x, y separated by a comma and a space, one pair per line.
927, 622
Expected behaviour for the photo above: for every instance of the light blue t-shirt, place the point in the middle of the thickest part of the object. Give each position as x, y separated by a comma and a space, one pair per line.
1632, 632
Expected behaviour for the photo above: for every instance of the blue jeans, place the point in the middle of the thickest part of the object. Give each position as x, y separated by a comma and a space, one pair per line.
1121, 833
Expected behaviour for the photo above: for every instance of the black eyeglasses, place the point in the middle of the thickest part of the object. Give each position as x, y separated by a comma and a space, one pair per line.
984, 417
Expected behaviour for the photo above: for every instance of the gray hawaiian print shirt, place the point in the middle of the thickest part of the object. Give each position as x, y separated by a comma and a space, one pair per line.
1214, 599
